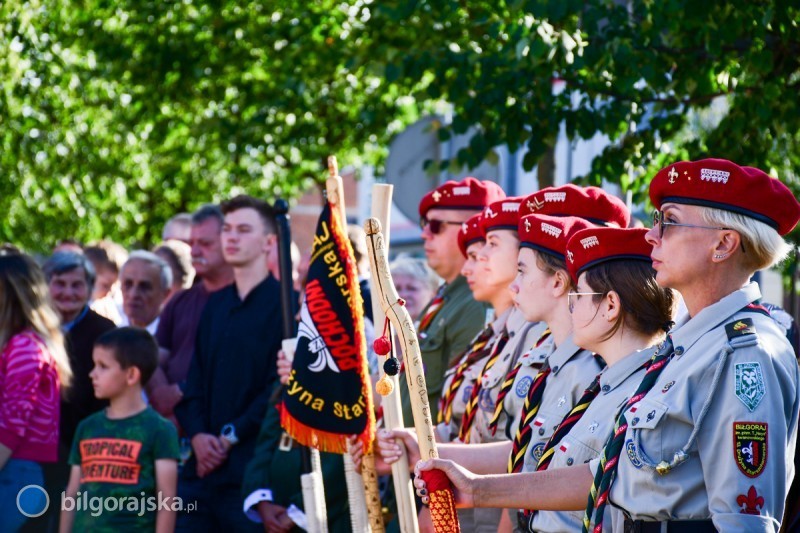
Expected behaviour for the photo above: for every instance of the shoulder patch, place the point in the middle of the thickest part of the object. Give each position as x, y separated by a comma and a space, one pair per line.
739, 328
750, 388
750, 447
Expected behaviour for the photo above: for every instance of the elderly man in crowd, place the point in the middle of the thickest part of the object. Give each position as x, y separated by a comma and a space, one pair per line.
177, 327
70, 277
145, 280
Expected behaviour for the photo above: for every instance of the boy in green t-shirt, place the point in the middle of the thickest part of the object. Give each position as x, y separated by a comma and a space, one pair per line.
125, 469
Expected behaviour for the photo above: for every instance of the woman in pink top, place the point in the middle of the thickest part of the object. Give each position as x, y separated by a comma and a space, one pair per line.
33, 369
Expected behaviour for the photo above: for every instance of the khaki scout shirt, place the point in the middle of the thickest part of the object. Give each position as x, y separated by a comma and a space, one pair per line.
572, 370
588, 437
448, 432
454, 326
740, 466
522, 335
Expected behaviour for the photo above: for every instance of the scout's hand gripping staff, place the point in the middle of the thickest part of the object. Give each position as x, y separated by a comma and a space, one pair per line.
442, 502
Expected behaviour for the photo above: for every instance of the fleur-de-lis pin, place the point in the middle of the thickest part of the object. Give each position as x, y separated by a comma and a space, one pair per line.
673, 175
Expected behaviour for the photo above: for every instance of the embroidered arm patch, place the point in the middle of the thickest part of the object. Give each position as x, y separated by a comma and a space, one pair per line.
750, 447
750, 387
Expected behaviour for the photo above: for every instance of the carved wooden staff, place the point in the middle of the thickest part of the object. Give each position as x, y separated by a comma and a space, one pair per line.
392, 410
442, 502
362, 493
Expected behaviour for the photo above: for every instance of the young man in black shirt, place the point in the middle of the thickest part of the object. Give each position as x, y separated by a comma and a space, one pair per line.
231, 375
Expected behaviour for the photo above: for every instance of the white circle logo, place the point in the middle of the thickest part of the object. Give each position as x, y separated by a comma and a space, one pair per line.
32, 501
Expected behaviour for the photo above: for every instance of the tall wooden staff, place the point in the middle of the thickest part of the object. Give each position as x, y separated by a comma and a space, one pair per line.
392, 409
442, 502
311, 478
363, 492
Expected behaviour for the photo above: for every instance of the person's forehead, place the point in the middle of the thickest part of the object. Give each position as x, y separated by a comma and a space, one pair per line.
476, 247
139, 268
453, 215
76, 273
207, 228
245, 215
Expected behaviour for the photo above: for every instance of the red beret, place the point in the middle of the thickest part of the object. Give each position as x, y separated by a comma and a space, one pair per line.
470, 233
549, 234
592, 203
725, 185
589, 247
468, 194
503, 214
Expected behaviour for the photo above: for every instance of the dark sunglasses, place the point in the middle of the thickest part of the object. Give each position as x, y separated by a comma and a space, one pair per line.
436, 226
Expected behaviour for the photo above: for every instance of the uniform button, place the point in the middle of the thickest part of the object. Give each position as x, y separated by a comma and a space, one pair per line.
679, 350
635, 421
555, 368
511, 334
570, 461
541, 431
606, 388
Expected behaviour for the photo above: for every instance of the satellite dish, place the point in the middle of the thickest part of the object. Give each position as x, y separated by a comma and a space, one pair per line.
408, 153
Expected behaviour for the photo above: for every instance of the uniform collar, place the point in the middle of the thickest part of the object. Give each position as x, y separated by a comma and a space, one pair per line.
501, 321
562, 354
615, 375
690, 330
458, 284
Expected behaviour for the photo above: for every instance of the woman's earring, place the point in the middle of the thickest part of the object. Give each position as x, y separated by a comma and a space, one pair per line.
720, 256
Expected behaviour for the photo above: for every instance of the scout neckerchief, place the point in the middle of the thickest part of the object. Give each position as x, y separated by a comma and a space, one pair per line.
523, 436
509, 382
609, 460
471, 408
432, 309
476, 351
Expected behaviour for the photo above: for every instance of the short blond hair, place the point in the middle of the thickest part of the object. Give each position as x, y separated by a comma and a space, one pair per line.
763, 245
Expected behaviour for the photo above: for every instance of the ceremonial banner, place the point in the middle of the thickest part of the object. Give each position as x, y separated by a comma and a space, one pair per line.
329, 394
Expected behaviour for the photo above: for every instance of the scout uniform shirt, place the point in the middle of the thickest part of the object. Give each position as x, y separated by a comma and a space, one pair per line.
453, 327
586, 439
530, 364
572, 370
447, 432
737, 469
522, 335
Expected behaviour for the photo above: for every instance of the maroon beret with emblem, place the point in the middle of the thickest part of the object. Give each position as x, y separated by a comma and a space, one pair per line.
725, 185
589, 247
503, 214
549, 234
470, 233
467, 194
592, 203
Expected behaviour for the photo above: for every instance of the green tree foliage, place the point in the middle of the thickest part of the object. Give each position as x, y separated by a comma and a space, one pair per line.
114, 115
643, 73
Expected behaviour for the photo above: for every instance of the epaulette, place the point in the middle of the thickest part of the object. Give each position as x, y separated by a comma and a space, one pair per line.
740, 328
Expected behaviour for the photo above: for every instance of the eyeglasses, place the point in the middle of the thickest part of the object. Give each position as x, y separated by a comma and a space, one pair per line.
436, 226
570, 294
658, 220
